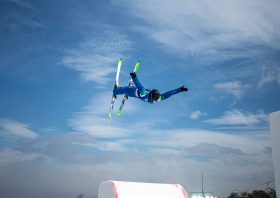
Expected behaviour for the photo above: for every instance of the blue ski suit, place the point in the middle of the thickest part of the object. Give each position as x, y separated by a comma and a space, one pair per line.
140, 92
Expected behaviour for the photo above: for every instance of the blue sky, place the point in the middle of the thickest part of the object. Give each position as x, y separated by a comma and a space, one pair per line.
58, 64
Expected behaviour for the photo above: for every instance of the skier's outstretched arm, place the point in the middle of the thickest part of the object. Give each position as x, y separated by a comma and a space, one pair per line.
138, 84
172, 92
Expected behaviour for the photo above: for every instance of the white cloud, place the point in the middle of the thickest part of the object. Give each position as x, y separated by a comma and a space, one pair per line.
216, 30
70, 137
17, 128
238, 117
114, 146
234, 160
268, 150
93, 118
175, 141
97, 126
197, 114
235, 88
97, 58
210, 149
269, 76
98, 105
247, 128
166, 151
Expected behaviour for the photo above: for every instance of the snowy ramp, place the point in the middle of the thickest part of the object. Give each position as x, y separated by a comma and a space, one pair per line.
119, 189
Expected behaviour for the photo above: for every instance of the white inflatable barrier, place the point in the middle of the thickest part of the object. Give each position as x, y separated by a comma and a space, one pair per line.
119, 189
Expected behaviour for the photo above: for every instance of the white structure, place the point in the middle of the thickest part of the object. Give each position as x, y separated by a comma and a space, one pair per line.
118, 189
275, 138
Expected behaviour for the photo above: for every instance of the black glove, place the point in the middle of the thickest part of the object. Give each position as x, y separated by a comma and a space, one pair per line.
184, 89
133, 75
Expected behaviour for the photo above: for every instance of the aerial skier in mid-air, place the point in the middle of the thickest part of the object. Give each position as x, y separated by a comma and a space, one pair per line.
147, 95
138, 91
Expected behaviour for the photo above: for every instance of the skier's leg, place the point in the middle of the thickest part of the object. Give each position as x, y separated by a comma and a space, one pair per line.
128, 90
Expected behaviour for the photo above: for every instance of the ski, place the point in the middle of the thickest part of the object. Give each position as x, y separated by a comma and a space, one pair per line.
129, 84
115, 85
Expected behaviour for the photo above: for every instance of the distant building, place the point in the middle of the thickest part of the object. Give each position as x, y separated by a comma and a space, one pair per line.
274, 119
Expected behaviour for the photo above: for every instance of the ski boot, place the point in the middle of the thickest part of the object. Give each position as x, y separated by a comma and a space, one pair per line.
115, 86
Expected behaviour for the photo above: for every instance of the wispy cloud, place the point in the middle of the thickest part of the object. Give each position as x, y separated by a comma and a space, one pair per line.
98, 127
70, 137
26, 21
209, 30
92, 119
23, 4
17, 128
113, 146
237, 117
234, 160
235, 88
177, 139
197, 114
97, 58
269, 76
268, 150
214, 150
265, 129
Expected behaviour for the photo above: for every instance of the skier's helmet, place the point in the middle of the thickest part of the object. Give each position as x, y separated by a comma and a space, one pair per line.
154, 95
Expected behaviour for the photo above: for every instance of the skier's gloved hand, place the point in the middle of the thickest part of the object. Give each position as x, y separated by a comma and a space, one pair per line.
133, 75
184, 88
